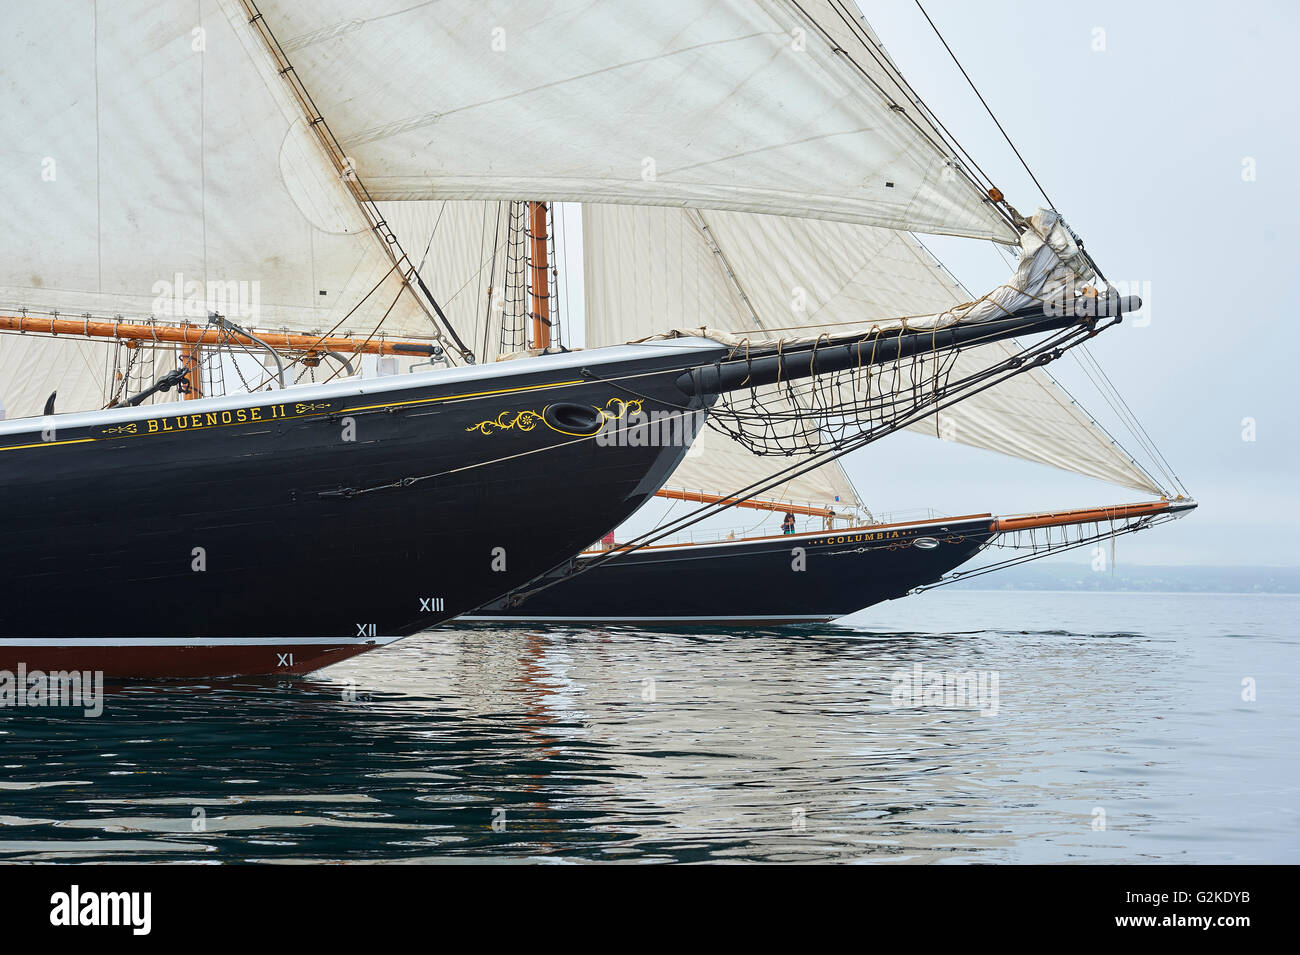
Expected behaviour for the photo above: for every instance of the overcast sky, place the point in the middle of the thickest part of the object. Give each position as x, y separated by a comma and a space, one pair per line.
1142, 145
1139, 118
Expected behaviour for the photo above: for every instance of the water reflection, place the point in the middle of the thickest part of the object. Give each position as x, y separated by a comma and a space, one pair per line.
779, 745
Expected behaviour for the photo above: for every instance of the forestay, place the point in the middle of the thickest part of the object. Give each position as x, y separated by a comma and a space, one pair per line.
653, 270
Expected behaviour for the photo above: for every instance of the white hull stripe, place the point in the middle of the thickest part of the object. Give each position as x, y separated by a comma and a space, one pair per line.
394, 385
196, 641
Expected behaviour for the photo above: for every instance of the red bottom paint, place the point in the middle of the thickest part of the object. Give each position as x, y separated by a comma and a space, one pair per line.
178, 660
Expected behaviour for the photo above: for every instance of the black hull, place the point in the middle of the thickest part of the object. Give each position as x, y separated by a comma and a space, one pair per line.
313, 547
755, 581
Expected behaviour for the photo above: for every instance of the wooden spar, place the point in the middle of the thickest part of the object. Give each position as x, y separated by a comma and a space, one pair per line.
701, 498
999, 525
1083, 515
190, 355
198, 335
539, 275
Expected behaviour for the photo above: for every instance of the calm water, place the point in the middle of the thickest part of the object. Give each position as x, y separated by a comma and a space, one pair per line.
778, 745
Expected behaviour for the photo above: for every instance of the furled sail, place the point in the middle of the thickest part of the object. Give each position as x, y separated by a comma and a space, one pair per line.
159, 166
650, 270
766, 106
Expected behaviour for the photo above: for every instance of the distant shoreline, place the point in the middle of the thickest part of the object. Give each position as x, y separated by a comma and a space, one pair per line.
1190, 579
1128, 593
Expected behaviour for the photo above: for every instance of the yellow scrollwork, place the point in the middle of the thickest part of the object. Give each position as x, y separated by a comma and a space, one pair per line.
522, 421
620, 407
614, 409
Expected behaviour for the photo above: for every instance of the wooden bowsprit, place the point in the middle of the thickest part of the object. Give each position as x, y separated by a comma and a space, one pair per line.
1108, 523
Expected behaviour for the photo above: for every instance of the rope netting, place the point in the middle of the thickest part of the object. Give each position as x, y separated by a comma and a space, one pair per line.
798, 417
874, 397
1036, 543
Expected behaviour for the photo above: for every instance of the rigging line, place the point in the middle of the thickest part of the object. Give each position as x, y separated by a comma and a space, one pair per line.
1129, 418
1131, 421
1113, 399
855, 26
492, 274
1080, 357
706, 510
697, 217
476, 274
552, 278
985, 104
961, 286
1047, 550
754, 489
1030, 356
940, 147
334, 328
564, 256
436, 222
1151, 451
408, 481
374, 331
338, 156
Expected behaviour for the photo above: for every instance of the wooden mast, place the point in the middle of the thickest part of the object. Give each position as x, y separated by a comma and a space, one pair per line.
539, 277
190, 356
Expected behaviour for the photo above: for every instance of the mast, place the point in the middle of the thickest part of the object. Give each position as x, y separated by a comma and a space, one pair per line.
191, 361
538, 276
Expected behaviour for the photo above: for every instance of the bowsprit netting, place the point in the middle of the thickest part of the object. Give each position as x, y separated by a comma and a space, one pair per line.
1037, 543
794, 417
829, 410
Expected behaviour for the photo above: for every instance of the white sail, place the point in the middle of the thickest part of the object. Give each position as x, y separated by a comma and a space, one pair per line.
83, 372
651, 270
765, 106
157, 164
716, 464
463, 250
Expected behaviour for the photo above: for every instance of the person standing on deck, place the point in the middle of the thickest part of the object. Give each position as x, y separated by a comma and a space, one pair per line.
787, 525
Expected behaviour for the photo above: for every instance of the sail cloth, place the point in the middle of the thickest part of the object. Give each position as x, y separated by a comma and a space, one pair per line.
156, 162
472, 263
716, 464
765, 106
651, 270
84, 372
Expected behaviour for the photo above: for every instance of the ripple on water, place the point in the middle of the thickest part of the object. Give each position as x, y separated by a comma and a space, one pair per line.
614, 744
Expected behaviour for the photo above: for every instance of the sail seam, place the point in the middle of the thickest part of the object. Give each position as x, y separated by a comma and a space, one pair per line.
946, 146
356, 188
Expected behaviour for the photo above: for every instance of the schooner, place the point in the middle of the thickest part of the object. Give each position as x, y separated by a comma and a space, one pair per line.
245, 431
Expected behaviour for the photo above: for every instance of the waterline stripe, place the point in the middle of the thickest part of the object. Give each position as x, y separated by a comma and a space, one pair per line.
194, 641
